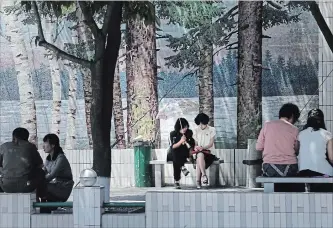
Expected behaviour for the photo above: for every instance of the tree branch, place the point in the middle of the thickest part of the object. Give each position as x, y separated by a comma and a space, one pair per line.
325, 30
40, 39
275, 5
230, 45
161, 37
107, 18
265, 36
88, 19
228, 14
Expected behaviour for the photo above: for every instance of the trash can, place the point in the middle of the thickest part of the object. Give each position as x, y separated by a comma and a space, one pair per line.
142, 169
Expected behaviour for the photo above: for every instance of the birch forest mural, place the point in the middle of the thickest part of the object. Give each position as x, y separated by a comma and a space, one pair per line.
61, 73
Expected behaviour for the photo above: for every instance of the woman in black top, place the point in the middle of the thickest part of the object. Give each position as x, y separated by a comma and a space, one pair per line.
181, 143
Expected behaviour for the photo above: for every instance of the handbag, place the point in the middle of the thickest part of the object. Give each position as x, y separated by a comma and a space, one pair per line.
169, 154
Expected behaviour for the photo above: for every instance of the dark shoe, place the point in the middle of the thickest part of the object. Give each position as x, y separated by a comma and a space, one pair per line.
45, 210
185, 171
177, 185
205, 180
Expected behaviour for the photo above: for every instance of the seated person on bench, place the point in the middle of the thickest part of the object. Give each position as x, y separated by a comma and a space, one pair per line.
277, 140
182, 142
59, 178
316, 151
21, 165
204, 139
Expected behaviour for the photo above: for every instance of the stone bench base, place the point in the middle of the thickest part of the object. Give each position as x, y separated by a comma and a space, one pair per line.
16, 209
270, 181
158, 167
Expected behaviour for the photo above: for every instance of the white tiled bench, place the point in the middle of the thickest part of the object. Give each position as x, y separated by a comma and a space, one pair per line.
270, 181
158, 167
16, 209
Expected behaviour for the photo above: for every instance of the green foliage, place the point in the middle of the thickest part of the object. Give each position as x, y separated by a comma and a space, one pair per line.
274, 17
207, 23
189, 14
289, 77
57, 8
210, 23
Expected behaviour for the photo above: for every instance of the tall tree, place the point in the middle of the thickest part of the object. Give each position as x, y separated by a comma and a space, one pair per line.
55, 77
220, 32
249, 109
17, 44
195, 48
118, 116
102, 67
86, 50
141, 72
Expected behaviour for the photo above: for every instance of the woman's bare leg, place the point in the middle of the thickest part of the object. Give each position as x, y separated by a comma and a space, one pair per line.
201, 163
198, 172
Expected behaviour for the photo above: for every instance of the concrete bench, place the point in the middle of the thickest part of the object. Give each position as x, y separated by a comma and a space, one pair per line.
158, 167
270, 181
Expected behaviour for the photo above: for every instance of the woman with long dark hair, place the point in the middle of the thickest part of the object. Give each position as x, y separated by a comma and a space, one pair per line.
58, 171
316, 150
181, 143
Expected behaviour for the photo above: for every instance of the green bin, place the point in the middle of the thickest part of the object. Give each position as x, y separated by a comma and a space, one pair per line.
142, 169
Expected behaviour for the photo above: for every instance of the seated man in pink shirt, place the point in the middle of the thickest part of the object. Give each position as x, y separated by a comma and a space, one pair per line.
278, 141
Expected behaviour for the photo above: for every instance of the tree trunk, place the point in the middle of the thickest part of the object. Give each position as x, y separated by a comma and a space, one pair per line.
23, 70
206, 93
73, 70
107, 43
72, 108
56, 84
129, 82
118, 116
142, 89
249, 109
87, 102
86, 37
102, 90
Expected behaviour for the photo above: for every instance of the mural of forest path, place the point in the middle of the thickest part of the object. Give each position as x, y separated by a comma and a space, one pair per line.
170, 109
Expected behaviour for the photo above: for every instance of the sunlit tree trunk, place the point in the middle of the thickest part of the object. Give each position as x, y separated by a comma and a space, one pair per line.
86, 37
118, 116
73, 70
141, 64
56, 82
27, 101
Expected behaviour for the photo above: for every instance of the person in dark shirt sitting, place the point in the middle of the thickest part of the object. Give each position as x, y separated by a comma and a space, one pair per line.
21, 165
182, 143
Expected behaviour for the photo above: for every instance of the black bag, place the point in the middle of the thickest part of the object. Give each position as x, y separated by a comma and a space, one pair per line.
169, 154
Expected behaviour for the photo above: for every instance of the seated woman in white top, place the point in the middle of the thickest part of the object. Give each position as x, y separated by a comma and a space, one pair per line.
204, 140
316, 150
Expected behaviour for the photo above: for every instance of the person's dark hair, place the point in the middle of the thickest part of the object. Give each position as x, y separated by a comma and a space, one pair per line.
181, 123
315, 120
201, 118
21, 133
289, 110
53, 139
